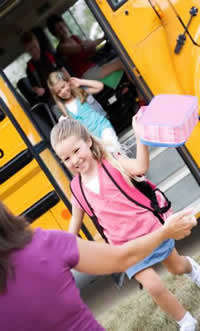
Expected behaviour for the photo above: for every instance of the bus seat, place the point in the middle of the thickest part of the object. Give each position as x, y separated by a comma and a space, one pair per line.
42, 115
119, 103
26, 90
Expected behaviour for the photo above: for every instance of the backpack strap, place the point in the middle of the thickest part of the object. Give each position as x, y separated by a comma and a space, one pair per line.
154, 211
79, 194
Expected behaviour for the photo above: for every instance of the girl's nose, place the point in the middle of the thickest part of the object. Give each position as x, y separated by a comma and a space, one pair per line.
75, 160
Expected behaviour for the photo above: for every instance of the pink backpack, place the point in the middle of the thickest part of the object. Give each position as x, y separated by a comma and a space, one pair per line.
168, 120
144, 195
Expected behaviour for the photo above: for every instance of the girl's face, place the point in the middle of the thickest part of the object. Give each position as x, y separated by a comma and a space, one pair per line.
62, 89
76, 154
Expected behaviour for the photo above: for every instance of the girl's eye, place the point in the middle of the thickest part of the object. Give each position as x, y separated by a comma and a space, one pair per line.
76, 150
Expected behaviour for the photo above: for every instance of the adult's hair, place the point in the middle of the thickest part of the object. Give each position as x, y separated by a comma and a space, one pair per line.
70, 127
14, 234
27, 37
76, 92
52, 21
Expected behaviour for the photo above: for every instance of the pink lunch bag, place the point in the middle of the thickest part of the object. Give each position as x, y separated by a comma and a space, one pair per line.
168, 120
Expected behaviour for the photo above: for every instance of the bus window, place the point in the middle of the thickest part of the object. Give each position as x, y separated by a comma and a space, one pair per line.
81, 21
17, 69
115, 4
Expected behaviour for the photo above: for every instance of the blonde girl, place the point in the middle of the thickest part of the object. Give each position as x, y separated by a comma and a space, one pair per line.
121, 219
78, 103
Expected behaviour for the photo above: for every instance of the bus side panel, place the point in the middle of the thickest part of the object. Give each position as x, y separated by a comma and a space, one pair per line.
149, 46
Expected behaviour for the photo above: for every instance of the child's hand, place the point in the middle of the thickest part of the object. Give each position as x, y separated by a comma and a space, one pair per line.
62, 117
75, 82
135, 126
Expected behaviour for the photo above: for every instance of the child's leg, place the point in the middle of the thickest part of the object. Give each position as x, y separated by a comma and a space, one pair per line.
165, 299
154, 285
179, 265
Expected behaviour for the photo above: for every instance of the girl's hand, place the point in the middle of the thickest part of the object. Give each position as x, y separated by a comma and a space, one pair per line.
75, 82
135, 126
62, 117
180, 224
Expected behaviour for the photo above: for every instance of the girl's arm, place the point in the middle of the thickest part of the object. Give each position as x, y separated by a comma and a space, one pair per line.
93, 86
97, 258
140, 164
76, 220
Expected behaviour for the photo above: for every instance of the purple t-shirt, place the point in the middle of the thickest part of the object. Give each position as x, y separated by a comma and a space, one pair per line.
43, 296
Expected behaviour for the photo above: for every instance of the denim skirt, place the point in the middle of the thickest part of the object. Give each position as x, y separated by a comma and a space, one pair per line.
157, 256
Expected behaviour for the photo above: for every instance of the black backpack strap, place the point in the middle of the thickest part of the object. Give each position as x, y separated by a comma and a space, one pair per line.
93, 217
155, 212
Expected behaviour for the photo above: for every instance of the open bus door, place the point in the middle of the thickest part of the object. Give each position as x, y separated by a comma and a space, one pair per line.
146, 35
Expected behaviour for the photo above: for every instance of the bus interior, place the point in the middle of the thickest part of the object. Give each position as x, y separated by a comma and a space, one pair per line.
120, 102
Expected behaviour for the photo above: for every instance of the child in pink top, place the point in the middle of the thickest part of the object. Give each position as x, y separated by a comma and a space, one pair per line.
121, 219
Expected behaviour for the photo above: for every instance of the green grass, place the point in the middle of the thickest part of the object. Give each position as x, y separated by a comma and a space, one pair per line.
140, 313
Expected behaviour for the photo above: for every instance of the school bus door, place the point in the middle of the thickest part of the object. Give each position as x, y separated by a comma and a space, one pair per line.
145, 37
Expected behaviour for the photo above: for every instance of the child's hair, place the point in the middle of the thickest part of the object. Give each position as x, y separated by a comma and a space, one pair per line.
77, 92
27, 38
70, 127
52, 21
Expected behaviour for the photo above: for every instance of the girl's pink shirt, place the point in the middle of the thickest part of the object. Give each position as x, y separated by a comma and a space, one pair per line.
121, 219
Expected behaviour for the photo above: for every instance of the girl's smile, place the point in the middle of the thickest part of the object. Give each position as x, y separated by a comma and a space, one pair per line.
76, 155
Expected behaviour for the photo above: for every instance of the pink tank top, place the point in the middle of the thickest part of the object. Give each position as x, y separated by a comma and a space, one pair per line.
121, 219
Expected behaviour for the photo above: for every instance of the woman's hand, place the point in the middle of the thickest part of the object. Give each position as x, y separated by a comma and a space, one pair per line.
180, 224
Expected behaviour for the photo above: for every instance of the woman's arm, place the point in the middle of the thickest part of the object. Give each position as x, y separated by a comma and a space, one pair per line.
97, 258
140, 164
90, 45
76, 220
93, 86
69, 47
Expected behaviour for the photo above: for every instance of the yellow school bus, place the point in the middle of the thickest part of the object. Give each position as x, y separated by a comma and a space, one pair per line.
159, 44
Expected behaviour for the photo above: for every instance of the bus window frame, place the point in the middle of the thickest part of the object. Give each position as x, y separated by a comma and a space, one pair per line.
115, 7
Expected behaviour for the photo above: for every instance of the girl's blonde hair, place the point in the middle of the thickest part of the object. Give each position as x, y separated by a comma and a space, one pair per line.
70, 127
77, 92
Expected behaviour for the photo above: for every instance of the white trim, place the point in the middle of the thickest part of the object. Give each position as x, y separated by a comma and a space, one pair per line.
174, 179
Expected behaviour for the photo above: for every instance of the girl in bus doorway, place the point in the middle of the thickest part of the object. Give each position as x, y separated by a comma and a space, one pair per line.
78, 103
121, 209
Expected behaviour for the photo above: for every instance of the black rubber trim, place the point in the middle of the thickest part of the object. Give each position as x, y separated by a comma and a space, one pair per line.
16, 164
117, 45
117, 6
2, 115
33, 150
153, 7
41, 206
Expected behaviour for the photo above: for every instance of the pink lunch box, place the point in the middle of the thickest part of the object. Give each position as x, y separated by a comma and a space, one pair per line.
168, 120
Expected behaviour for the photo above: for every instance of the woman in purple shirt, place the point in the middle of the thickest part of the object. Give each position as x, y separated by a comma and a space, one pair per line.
37, 288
